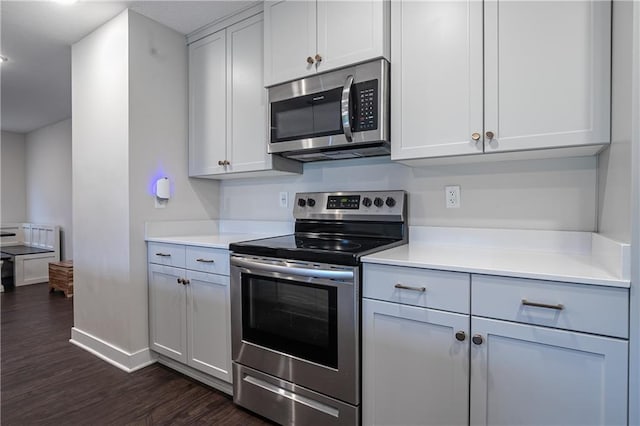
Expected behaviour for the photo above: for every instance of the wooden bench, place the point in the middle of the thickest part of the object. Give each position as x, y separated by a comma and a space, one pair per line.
61, 277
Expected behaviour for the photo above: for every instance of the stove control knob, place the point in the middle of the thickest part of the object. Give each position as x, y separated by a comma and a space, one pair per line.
390, 202
378, 202
366, 201
311, 202
302, 202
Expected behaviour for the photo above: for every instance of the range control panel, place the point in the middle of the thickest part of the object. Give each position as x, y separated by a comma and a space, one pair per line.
363, 205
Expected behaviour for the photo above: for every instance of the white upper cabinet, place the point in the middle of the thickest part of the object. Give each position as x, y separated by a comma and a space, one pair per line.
228, 105
547, 74
436, 78
474, 77
305, 37
207, 105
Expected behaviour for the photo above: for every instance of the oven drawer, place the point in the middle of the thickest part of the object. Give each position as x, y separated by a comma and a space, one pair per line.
166, 254
287, 403
447, 291
204, 259
588, 308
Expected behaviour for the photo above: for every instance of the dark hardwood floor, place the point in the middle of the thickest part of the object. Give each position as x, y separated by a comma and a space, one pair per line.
44, 379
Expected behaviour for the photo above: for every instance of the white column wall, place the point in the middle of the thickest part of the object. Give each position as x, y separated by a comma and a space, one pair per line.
100, 84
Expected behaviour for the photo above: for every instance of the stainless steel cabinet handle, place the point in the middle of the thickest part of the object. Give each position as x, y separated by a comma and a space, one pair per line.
406, 287
489, 135
163, 254
557, 307
205, 260
475, 136
461, 336
309, 60
345, 108
477, 339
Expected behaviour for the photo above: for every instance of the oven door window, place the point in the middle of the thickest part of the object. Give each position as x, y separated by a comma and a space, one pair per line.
296, 318
307, 116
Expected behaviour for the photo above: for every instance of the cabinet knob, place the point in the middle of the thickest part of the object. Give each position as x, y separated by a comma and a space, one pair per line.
318, 58
180, 281
185, 282
477, 339
220, 163
227, 162
461, 336
475, 136
489, 135
310, 60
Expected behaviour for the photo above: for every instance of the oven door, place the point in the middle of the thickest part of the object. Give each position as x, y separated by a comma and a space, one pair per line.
299, 322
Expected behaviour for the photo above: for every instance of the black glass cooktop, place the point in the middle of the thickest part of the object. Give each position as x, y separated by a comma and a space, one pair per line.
323, 249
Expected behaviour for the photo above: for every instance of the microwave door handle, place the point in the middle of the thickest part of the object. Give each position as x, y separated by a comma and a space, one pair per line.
345, 108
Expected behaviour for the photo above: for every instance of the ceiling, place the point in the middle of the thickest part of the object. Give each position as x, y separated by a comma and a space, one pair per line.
36, 36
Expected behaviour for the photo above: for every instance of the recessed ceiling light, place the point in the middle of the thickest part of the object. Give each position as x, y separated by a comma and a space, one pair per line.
3, 58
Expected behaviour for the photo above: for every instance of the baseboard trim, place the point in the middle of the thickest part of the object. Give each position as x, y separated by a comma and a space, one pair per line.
214, 382
115, 356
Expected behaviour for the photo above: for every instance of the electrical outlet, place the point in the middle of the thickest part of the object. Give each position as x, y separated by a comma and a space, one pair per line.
452, 196
284, 200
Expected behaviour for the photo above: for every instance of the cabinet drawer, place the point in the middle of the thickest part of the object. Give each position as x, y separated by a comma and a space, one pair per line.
215, 261
587, 308
448, 291
166, 254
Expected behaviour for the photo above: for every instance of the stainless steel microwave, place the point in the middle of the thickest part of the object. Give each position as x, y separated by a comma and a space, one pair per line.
337, 114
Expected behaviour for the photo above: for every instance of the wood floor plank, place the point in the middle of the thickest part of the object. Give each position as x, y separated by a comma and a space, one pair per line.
46, 380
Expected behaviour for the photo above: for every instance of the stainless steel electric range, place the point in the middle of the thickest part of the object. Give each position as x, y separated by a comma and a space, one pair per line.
295, 307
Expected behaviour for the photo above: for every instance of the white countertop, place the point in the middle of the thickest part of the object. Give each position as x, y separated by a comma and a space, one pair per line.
221, 241
569, 267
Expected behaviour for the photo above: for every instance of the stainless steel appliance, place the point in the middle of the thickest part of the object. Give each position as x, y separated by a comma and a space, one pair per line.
295, 307
338, 114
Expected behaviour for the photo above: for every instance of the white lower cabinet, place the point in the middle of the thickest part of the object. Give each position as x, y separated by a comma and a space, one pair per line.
189, 310
416, 372
209, 330
167, 312
529, 353
530, 375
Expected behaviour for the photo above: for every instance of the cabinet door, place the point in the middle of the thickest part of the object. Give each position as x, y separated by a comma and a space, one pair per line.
167, 312
436, 78
209, 327
289, 39
247, 100
415, 371
528, 375
352, 31
207, 105
547, 71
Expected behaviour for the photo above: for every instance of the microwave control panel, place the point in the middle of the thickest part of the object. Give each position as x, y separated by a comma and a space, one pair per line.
366, 110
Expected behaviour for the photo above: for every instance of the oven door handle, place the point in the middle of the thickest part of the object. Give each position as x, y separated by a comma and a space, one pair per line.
305, 272
345, 112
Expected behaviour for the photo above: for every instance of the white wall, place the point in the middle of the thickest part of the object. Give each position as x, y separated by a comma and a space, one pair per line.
614, 164
555, 194
158, 133
48, 181
634, 344
129, 127
13, 201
